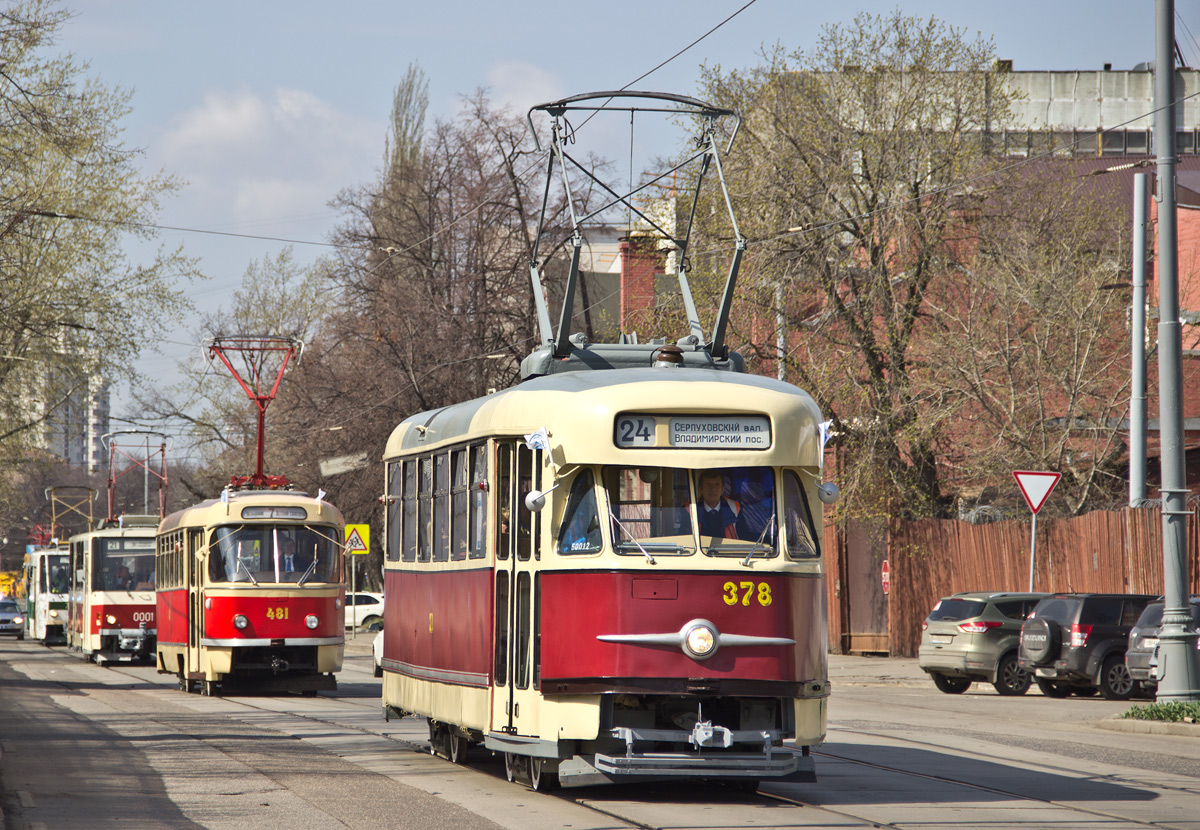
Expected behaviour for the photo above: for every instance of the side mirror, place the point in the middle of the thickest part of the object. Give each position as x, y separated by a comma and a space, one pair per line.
535, 500
828, 492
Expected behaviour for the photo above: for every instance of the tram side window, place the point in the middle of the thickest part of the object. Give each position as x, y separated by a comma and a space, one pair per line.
459, 484
503, 500
441, 507
580, 530
394, 510
409, 549
500, 667
478, 510
798, 520
424, 502
525, 519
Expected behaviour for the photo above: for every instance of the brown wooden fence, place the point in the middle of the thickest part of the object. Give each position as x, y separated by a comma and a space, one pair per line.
1117, 551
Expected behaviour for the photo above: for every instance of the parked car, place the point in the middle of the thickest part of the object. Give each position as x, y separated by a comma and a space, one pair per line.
377, 654
363, 609
12, 619
1075, 643
1143, 642
974, 636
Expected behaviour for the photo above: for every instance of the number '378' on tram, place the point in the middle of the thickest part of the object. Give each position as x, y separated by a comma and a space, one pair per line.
612, 576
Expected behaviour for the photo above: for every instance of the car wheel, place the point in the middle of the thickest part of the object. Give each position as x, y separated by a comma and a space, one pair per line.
1115, 681
951, 685
1011, 679
1040, 640
1050, 689
370, 621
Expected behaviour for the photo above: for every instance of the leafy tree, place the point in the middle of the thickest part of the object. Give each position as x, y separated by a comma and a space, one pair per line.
73, 308
861, 175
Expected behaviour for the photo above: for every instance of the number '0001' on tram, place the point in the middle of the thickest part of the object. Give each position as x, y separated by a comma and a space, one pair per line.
612, 571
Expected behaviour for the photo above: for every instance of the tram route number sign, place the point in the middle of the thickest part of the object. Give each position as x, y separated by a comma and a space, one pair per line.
698, 432
358, 538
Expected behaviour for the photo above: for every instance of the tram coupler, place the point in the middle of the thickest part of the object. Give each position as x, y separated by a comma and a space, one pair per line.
279, 665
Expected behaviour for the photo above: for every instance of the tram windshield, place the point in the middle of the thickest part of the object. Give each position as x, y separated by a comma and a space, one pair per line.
54, 574
123, 564
273, 553
721, 511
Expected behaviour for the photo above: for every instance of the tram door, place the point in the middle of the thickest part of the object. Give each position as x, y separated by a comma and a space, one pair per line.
516, 656
195, 579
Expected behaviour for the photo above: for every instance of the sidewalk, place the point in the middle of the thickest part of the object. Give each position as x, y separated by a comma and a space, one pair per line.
855, 670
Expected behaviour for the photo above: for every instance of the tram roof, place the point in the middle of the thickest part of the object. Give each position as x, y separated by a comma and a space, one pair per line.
578, 411
193, 514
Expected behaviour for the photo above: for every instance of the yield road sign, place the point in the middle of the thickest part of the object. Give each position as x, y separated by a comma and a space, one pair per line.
1035, 487
358, 538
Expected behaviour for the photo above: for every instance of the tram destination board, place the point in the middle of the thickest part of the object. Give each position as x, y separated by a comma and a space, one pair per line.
697, 432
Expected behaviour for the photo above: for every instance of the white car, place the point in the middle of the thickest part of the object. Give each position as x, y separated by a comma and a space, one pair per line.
377, 654
363, 609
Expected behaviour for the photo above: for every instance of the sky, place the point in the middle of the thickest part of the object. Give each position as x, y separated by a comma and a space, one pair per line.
268, 109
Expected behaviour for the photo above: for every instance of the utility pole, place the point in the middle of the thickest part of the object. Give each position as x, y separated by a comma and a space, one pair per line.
1137, 328
1180, 675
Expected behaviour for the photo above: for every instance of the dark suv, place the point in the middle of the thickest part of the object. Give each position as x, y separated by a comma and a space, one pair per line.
1143, 642
974, 636
1075, 643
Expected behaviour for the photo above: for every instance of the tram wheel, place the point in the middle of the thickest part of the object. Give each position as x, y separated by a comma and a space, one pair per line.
456, 748
511, 763
540, 780
208, 688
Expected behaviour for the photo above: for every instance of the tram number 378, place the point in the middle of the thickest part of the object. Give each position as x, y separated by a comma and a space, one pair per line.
745, 592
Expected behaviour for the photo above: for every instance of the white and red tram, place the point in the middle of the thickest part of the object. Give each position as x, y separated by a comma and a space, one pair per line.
111, 608
611, 633
250, 593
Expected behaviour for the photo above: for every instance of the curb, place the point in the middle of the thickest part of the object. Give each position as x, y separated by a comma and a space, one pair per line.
1145, 727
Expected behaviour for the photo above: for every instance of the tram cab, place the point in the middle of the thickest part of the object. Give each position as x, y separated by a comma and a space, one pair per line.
46, 594
111, 604
565, 599
251, 594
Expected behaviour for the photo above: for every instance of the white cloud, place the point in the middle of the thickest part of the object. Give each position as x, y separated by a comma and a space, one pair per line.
522, 85
251, 159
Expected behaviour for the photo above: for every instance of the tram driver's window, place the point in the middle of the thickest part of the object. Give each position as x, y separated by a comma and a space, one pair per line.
580, 530
797, 519
737, 503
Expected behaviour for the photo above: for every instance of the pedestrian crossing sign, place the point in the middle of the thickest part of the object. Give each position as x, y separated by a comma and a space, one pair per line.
358, 538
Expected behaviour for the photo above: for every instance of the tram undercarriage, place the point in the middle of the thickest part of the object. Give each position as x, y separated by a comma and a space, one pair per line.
126, 645
264, 669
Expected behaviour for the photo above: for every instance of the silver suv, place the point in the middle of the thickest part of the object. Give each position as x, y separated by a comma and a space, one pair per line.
974, 636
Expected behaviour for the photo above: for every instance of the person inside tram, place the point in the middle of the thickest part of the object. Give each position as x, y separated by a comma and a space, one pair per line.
719, 515
58, 581
290, 560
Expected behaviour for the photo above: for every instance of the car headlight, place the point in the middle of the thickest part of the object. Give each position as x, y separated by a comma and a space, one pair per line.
240, 621
110, 619
700, 641
311, 621
18, 620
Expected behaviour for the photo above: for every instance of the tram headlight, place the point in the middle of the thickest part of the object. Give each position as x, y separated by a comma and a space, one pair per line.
311, 621
240, 621
110, 619
700, 640
54, 613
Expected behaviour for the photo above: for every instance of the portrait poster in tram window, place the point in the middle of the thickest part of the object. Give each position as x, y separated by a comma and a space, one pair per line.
1036, 487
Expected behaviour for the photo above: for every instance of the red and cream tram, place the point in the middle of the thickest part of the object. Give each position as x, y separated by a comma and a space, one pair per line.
614, 631
110, 611
250, 593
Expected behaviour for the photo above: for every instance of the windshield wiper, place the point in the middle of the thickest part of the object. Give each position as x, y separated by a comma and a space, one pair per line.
645, 552
759, 543
312, 566
242, 565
